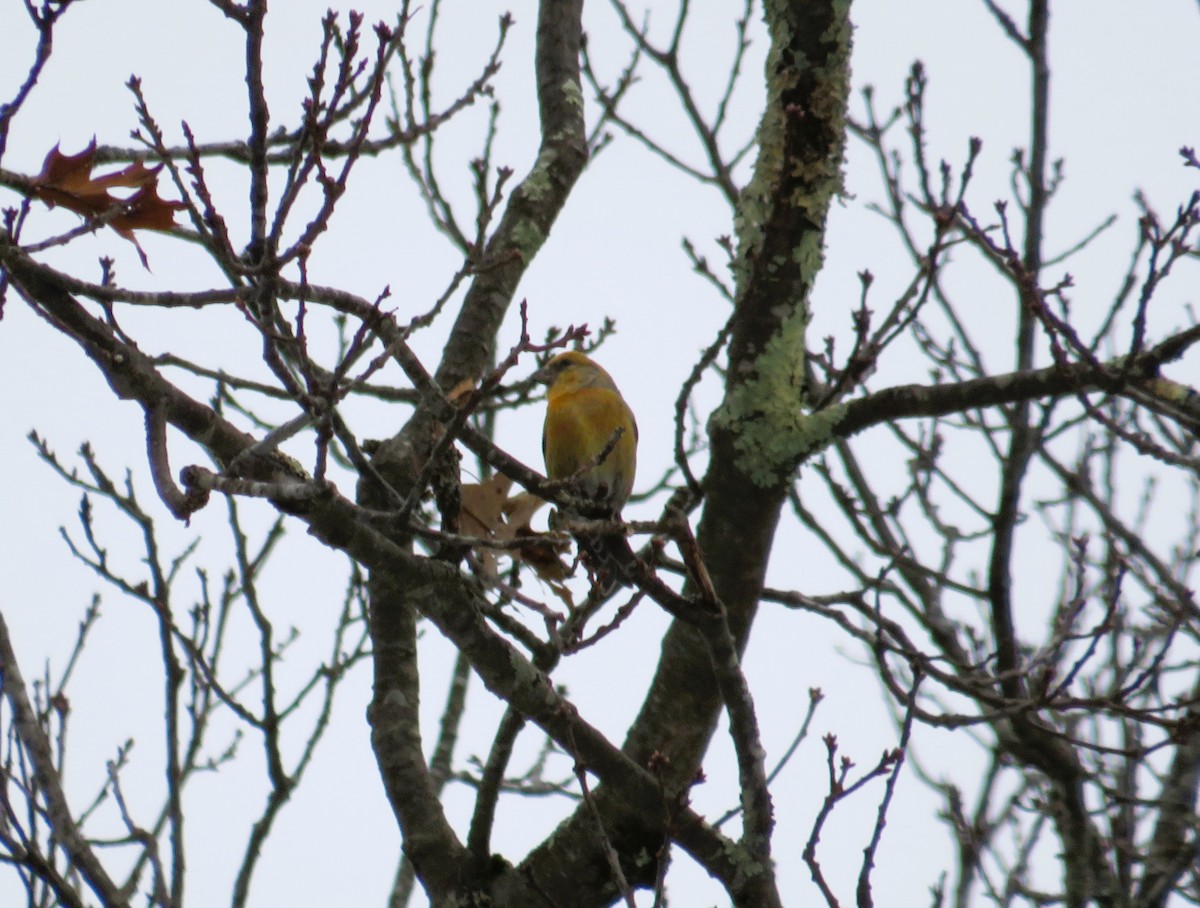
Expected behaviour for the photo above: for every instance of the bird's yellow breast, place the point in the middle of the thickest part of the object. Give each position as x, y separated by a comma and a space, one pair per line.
580, 423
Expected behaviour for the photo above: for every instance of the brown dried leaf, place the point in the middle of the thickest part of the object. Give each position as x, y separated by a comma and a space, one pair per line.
518, 511
487, 511
483, 506
67, 180
543, 554
482, 514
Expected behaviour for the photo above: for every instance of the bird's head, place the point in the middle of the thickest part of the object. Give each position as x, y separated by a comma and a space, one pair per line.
571, 371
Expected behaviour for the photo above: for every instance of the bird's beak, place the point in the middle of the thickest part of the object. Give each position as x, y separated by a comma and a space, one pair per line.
542, 376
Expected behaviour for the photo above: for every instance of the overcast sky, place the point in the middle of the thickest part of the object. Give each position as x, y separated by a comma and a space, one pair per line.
1124, 100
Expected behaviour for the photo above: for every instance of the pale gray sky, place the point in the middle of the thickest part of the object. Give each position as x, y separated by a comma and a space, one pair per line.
1124, 101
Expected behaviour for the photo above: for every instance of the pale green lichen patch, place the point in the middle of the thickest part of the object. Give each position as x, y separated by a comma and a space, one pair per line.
809, 254
747, 867
816, 180
754, 202
527, 239
763, 408
764, 413
573, 95
537, 184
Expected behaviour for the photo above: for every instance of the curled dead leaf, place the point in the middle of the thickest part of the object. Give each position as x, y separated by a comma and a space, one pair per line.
488, 512
67, 181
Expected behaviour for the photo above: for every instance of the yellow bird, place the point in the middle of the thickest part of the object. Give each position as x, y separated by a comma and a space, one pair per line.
585, 416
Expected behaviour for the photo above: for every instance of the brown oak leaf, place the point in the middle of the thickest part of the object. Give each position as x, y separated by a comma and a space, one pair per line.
67, 180
488, 512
